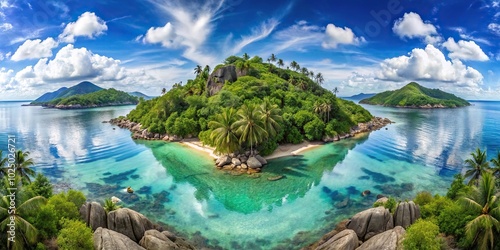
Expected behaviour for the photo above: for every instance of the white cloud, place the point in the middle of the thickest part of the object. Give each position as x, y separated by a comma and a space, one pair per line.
35, 49
429, 64
6, 26
337, 35
5, 79
5, 4
465, 50
164, 35
297, 37
412, 26
462, 32
494, 28
258, 33
88, 25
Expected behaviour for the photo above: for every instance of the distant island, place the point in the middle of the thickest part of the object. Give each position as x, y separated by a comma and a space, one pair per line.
87, 95
414, 95
360, 96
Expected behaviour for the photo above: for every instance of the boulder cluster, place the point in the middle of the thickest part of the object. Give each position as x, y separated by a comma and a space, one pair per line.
127, 229
375, 124
246, 162
139, 133
372, 229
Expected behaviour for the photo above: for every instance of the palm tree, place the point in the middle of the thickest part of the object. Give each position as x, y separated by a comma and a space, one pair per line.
496, 165
281, 63
3, 163
250, 126
270, 117
302, 84
26, 233
198, 70
311, 74
163, 91
304, 71
483, 202
272, 58
207, 69
335, 91
246, 56
23, 164
224, 133
476, 166
326, 107
319, 78
109, 205
293, 65
317, 107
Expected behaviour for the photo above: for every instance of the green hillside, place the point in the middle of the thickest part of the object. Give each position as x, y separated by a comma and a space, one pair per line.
79, 89
104, 97
415, 96
301, 108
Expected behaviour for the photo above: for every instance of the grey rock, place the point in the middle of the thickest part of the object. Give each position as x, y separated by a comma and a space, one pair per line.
261, 159
236, 161
129, 222
346, 240
94, 215
217, 79
223, 160
105, 239
388, 240
154, 240
252, 162
371, 222
406, 214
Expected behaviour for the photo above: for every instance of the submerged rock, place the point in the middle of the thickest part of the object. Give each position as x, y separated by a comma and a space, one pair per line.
105, 239
346, 240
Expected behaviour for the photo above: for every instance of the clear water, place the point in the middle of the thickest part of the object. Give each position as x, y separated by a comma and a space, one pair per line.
180, 187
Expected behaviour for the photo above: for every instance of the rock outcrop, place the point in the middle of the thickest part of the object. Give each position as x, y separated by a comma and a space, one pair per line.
406, 214
129, 222
346, 240
105, 239
388, 240
154, 240
241, 163
370, 222
253, 162
219, 77
375, 124
94, 215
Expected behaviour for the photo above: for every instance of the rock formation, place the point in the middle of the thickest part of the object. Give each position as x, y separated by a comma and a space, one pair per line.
219, 77
346, 240
155, 240
370, 222
388, 240
105, 239
406, 214
129, 222
94, 215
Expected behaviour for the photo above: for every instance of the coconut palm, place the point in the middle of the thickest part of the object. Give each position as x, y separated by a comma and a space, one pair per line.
319, 78
318, 108
26, 234
481, 231
163, 91
294, 65
23, 164
3, 164
281, 63
304, 71
496, 165
476, 166
198, 70
246, 56
335, 91
207, 69
311, 74
109, 205
326, 107
224, 133
250, 126
272, 58
270, 117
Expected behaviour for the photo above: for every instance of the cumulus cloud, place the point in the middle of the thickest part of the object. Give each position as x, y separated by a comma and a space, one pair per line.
35, 49
164, 35
412, 26
337, 35
494, 28
5, 78
88, 25
73, 64
6, 26
429, 64
465, 50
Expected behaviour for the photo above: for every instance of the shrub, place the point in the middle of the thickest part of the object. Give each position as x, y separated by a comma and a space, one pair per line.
457, 187
75, 235
423, 198
422, 235
41, 186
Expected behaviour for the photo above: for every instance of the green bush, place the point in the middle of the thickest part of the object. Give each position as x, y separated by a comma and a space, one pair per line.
41, 186
75, 235
422, 235
457, 187
46, 221
434, 208
314, 129
452, 220
423, 198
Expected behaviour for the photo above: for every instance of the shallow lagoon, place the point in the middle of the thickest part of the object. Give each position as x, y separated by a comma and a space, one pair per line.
178, 186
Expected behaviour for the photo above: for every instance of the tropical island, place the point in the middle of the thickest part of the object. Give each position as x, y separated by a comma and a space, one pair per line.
86, 95
247, 107
414, 95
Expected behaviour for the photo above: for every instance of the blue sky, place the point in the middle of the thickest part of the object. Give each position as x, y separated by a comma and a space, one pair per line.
359, 46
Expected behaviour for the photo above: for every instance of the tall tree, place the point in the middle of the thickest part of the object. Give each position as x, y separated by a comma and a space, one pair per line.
207, 69
496, 165
23, 166
326, 107
224, 133
272, 58
198, 70
293, 65
270, 117
246, 56
482, 201
311, 75
250, 126
281, 63
476, 166
304, 71
335, 91
163, 91
3, 164
319, 78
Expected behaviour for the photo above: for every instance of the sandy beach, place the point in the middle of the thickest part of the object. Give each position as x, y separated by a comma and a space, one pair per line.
282, 150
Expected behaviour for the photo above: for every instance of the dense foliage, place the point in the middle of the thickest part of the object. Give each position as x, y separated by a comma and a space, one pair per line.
414, 95
308, 111
98, 98
422, 235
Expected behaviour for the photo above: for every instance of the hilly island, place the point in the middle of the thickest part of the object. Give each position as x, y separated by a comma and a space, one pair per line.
86, 95
414, 95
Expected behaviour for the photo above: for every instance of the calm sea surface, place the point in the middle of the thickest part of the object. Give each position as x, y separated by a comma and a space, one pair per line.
422, 150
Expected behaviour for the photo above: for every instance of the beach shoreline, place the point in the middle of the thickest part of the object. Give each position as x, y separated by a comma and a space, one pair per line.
283, 150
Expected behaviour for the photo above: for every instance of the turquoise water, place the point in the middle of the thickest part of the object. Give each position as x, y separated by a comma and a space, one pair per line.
180, 187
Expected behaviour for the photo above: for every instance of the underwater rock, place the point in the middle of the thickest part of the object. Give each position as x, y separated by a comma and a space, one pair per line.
378, 177
344, 203
366, 192
162, 196
144, 190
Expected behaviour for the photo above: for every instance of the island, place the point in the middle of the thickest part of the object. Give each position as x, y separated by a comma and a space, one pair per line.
414, 95
86, 95
246, 108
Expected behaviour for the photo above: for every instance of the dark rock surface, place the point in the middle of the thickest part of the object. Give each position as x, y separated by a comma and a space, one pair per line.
388, 240
129, 222
370, 222
105, 239
219, 77
94, 215
406, 214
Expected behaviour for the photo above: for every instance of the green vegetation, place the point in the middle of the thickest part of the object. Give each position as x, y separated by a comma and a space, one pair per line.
110, 205
414, 95
39, 216
296, 107
99, 98
79, 89
422, 235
